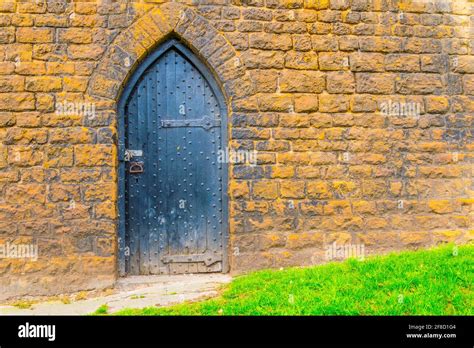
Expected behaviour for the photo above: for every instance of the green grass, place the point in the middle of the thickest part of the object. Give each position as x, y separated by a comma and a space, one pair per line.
104, 309
426, 282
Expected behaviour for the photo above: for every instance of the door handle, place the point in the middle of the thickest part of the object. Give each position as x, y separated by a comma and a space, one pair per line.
136, 167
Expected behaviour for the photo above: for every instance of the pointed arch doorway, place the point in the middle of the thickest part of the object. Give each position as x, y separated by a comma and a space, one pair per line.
172, 188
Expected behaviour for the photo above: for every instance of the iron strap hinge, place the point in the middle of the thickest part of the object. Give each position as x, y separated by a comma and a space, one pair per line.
206, 122
207, 258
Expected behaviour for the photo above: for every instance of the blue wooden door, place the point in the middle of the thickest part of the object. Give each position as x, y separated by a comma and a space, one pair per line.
174, 195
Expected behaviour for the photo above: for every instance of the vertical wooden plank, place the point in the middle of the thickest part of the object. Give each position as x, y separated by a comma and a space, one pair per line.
163, 187
199, 141
214, 175
171, 164
192, 149
180, 165
153, 245
132, 193
146, 178
181, 159
143, 198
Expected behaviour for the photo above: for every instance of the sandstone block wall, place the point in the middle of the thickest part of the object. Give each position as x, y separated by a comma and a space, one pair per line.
361, 113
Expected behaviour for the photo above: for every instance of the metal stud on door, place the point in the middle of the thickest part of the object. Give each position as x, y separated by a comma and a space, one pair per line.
174, 193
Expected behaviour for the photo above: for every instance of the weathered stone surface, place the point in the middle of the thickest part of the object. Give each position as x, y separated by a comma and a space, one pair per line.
34, 35
302, 81
361, 122
17, 101
301, 60
375, 83
256, 59
340, 82
94, 155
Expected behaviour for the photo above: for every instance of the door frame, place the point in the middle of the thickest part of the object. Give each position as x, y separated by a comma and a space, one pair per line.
123, 98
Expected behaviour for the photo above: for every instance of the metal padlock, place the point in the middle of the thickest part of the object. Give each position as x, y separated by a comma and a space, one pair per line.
136, 167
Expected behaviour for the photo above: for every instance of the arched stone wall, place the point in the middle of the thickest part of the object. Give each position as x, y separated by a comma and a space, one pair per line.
318, 88
171, 19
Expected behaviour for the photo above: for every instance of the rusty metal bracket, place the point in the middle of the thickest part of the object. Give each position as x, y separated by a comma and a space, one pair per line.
206, 122
207, 258
129, 154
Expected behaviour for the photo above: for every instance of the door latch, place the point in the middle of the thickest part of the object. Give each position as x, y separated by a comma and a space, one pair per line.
136, 168
127, 156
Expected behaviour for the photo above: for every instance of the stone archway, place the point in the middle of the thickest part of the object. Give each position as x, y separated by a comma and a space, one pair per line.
171, 19
131, 47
